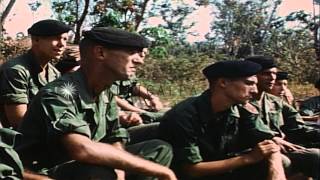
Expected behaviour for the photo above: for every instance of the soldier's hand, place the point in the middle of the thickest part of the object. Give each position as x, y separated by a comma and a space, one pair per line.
262, 150
155, 103
130, 119
285, 145
168, 175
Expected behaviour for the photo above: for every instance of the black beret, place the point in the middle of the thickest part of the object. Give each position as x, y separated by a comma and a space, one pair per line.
231, 69
282, 75
48, 27
118, 38
266, 62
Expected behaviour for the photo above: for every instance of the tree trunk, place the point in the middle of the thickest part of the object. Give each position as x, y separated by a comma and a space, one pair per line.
80, 22
5, 14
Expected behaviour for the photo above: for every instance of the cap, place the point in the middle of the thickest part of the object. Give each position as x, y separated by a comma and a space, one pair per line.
266, 62
48, 27
231, 69
112, 37
282, 75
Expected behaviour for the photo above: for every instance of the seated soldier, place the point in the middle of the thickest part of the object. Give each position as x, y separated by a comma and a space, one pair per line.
10, 164
71, 130
204, 130
22, 77
280, 88
126, 92
283, 123
310, 108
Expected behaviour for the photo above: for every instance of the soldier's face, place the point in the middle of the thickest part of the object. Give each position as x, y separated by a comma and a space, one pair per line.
266, 79
50, 47
123, 63
279, 87
241, 90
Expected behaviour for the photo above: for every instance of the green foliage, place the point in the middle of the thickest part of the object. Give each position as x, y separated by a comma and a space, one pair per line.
10, 48
175, 78
161, 41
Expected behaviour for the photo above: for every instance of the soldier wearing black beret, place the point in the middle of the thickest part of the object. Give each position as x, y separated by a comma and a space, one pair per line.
23, 76
72, 127
284, 123
205, 130
280, 87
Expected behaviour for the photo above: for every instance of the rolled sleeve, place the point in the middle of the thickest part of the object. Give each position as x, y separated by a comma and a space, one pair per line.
69, 123
189, 154
120, 134
14, 86
63, 116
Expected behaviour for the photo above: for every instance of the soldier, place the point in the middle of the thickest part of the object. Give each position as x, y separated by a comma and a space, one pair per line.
22, 77
281, 89
284, 122
204, 130
71, 130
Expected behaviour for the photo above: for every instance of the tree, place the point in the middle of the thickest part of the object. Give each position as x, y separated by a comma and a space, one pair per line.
73, 12
242, 28
126, 14
4, 15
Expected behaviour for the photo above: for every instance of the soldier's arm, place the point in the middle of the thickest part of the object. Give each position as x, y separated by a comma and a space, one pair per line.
82, 149
120, 173
262, 150
275, 170
15, 113
28, 175
126, 106
143, 92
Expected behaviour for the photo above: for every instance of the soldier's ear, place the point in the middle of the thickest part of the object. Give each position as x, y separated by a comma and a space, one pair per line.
99, 52
223, 82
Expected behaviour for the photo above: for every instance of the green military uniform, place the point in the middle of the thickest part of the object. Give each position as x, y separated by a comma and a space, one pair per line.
124, 89
20, 81
284, 121
199, 135
67, 106
310, 106
10, 165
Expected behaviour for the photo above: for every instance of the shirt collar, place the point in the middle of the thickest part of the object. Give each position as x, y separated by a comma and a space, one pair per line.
205, 110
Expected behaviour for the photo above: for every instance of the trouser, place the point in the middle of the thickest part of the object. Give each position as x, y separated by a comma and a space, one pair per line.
306, 161
154, 150
143, 132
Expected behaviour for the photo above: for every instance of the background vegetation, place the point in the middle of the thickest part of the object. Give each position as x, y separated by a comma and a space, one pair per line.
173, 68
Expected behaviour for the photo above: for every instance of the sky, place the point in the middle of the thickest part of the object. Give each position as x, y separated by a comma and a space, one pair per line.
22, 17
203, 17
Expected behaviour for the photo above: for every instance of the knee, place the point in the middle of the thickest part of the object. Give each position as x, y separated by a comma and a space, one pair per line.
162, 146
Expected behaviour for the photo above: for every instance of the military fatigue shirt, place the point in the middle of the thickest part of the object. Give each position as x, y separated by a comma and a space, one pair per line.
66, 106
197, 134
124, 89
10, 164
310, 106
283, 120
20, 81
